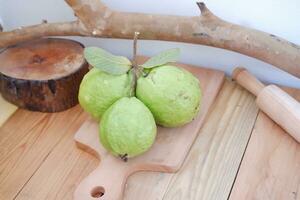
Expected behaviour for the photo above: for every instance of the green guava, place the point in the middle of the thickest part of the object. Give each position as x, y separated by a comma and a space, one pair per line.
127, 128
172, 94
99, 90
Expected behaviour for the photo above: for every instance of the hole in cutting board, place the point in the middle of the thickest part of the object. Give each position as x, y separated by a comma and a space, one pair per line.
97, 192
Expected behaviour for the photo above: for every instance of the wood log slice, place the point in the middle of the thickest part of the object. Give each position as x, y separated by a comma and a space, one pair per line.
43, 75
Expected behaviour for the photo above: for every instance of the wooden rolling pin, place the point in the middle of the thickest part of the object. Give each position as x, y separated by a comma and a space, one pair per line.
276, 103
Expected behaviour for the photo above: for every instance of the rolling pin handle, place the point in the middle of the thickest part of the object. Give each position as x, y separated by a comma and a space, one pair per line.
276, 103
247, 80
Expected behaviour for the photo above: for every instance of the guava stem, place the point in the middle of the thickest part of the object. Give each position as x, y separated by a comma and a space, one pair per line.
135, 67
135, 38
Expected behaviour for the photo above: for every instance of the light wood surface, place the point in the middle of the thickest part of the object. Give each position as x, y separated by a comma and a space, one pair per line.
38, 158
6, 110
166, 155
42, 59
271, 167
26, 140
214, 160
276, 103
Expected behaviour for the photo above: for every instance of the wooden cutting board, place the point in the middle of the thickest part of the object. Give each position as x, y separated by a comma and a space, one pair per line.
108, 180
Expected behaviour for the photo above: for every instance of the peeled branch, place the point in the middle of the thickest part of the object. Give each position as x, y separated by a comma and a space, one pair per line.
97, 20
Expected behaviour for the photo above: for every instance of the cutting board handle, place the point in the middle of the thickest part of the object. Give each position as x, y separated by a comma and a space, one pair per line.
106, 182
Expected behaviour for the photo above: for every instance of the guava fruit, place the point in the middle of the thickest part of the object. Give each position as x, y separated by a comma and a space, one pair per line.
172, 94
99, 90
127, 128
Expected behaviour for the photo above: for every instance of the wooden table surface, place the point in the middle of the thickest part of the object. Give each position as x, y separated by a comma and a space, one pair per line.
239, 154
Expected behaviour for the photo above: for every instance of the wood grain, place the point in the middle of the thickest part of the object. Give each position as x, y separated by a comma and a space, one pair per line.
42, 75
26, 140
213, 162
203, 172
59, 174
271, 166
6, 110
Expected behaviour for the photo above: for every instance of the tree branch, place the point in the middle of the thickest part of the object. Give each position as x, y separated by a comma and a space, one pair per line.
44, 29
207, 29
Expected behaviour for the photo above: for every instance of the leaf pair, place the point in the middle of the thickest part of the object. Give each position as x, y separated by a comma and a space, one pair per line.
118, 65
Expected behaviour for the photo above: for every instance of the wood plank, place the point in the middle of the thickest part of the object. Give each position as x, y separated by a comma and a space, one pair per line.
58, 174
6, 110
210, 169
271, 166
26, 140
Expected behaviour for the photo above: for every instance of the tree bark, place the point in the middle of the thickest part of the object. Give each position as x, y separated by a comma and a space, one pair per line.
97, 20
37, 31
42, 75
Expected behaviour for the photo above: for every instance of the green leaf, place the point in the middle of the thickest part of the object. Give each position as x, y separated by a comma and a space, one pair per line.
106, 61
164, 57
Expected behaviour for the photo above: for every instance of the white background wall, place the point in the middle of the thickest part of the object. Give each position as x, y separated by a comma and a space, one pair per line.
279, 17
